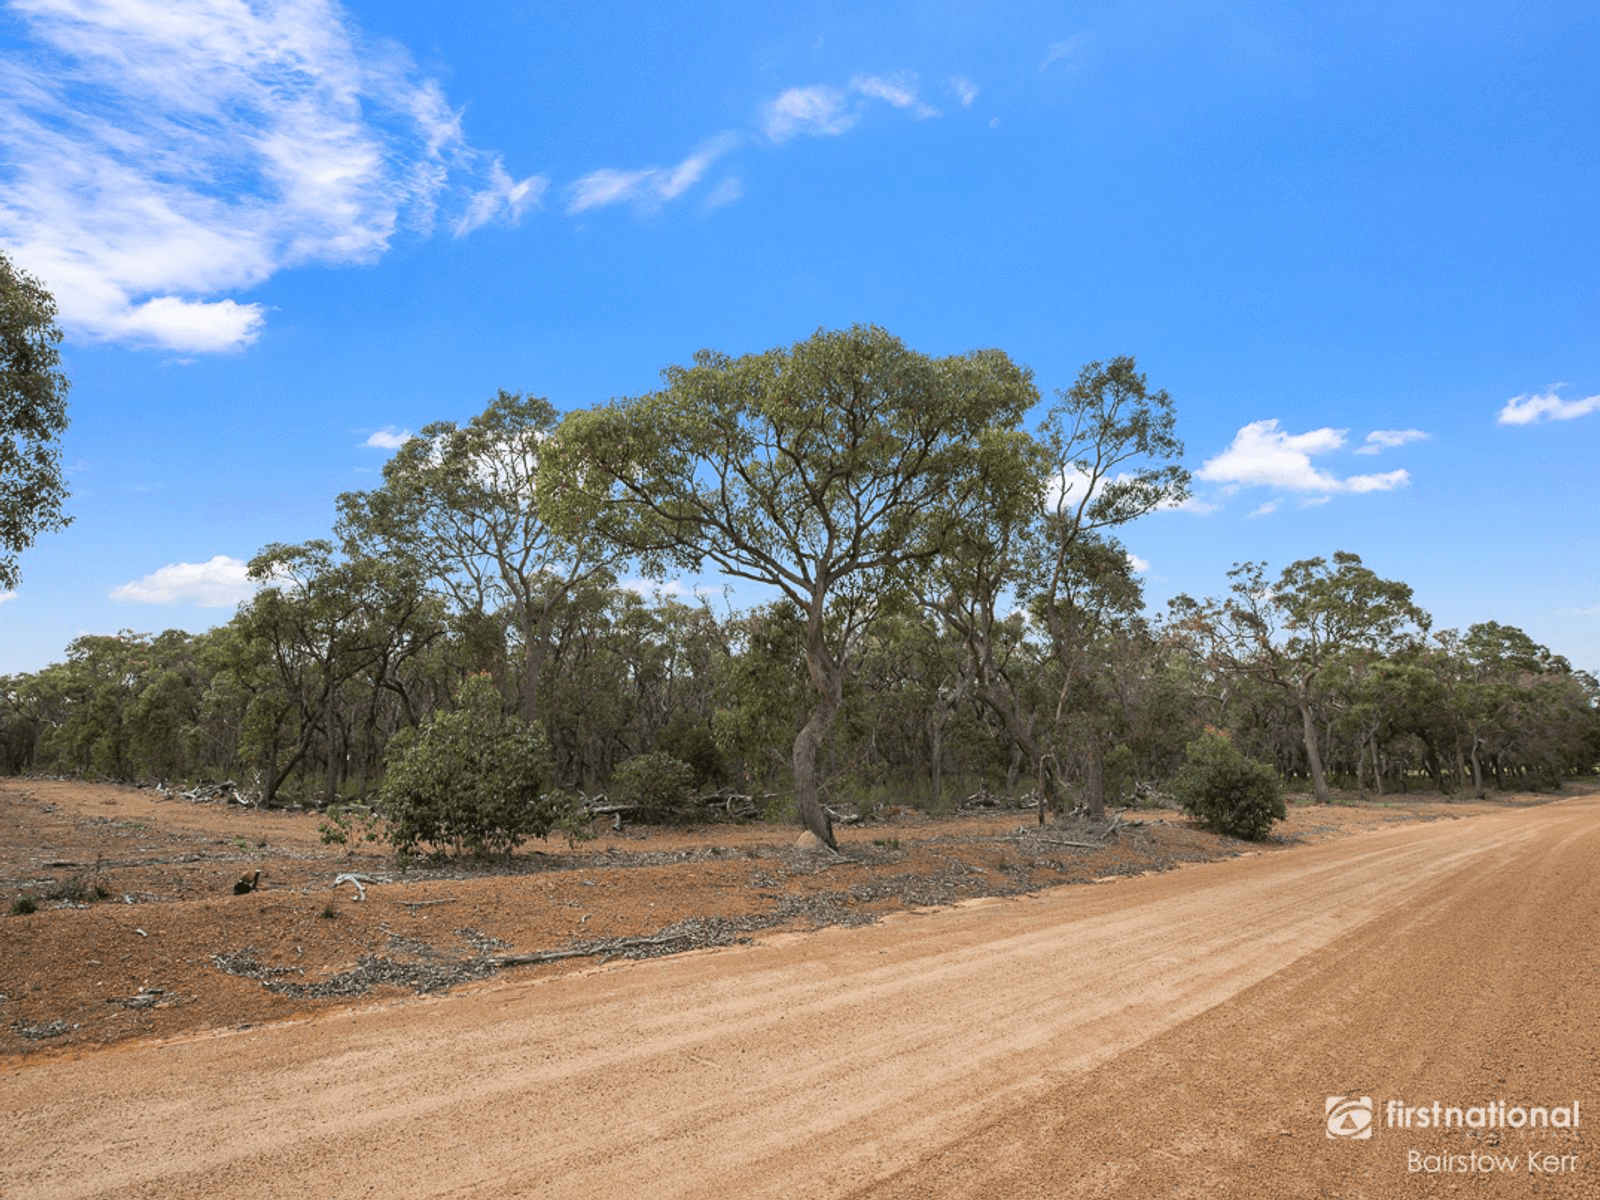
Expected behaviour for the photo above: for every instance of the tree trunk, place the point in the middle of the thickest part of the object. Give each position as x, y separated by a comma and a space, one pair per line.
807, 788
827, 676
1319, 781
1477, 772
1094, 782
1013, 772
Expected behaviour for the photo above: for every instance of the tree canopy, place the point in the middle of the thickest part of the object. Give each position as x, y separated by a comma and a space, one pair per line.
832, 470
33, 416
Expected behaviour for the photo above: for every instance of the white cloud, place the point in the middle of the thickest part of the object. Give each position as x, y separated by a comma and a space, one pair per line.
1388, 439
1190, 504
4, 596
897, 91
728, 190
1263, 455
966, 91
649, 187
219, 583
1139, 565
825, 111
388, 439
1265, 509
503, 198
674, 589
1529, 410
1066, 50
156, 155
819, 111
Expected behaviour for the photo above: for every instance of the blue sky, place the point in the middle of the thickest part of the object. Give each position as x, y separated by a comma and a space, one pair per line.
1357, 243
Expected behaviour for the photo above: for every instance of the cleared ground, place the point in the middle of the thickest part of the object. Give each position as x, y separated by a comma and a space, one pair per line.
1175, 1033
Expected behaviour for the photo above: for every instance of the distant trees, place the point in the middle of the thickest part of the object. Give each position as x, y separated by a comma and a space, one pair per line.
33, 416
954, 611
1290, 633
461, 508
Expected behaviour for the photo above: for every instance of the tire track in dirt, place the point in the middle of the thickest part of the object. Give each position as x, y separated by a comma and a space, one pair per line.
958, 1052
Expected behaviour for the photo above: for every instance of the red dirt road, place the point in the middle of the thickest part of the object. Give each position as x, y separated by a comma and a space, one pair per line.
1168, 1035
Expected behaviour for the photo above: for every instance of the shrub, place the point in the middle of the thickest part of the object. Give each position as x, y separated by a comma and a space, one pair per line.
473, 778
346, 824
661, 786
24, 905
1231, 793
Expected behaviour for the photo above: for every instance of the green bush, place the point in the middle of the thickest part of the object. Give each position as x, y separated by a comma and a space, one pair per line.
474, 778
1231, 793
661, 786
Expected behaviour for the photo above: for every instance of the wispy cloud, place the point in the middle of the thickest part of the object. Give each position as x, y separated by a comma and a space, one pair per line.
219, 583
729, 189
1380, 440
897, 91
155, 156
822, 110
649, 187
1264, 455
4, 596
819, 111
1138, 565
388, 438
966, 91
1529, 410
1067, 50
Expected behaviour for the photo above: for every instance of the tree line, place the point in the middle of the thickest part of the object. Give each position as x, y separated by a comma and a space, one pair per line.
952, 610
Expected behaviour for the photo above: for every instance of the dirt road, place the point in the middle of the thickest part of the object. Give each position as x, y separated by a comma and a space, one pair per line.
1171, 1035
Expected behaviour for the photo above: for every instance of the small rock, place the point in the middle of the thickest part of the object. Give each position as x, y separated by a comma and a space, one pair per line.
810, 841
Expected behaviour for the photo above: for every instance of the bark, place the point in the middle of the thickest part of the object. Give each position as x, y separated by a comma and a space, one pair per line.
1094, 782
827, 676
1319, 781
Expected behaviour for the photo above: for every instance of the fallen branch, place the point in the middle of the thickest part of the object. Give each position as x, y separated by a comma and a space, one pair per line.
359, 880
608, 947
1065, 842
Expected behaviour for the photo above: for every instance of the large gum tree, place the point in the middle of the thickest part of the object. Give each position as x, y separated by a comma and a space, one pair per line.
834, 470
33, 417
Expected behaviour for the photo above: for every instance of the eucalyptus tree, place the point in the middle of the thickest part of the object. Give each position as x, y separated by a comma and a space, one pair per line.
33, 416
1290, 632
831, 470
323, 621
1105, 454
1521, 705
462, 505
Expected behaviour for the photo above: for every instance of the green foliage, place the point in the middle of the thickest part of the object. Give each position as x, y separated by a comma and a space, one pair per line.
473, 778
344, 825
1231, 793
661, 786
694, 744
24, 905
1117, 772
33, 416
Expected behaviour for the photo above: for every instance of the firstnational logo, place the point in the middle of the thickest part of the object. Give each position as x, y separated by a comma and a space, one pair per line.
1349, 1116
1355, 1117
